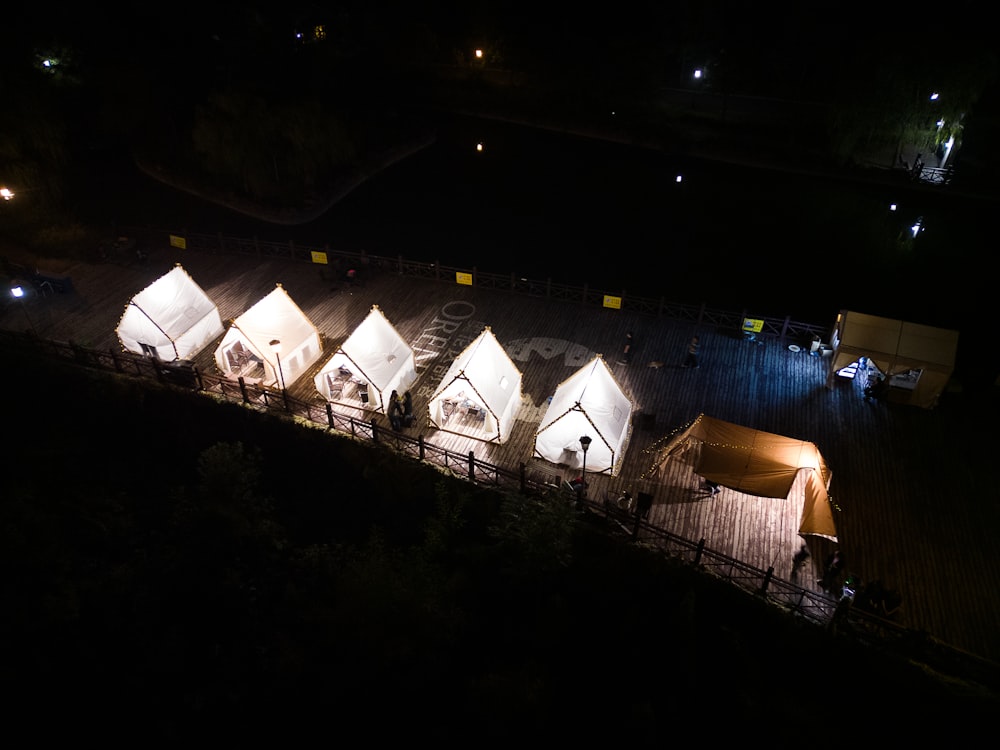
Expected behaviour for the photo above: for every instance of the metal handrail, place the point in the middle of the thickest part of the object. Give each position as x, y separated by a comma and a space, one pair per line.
781, 328
819, 608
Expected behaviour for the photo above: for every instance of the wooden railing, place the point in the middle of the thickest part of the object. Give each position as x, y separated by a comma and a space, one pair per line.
780, 328
819, 608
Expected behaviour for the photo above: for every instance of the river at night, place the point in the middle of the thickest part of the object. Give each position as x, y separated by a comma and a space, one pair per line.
623, 219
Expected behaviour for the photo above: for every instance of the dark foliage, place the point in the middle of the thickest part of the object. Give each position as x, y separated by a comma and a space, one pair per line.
176, 566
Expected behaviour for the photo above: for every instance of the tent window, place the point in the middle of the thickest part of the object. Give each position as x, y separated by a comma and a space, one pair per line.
503, 382
617, 414
148, 349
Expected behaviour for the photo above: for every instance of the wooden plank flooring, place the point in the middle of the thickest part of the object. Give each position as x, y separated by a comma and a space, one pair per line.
917, 504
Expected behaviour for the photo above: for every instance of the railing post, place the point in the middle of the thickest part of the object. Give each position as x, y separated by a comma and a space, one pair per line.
243, 389
522, 468
767, 580
115, 360
374, 424
420, 448
472, 467
699, 551
329, 415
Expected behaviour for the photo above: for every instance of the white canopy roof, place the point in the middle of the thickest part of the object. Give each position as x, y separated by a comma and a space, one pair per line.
172, 318
274, 318
374, 353
482, 377
589, 402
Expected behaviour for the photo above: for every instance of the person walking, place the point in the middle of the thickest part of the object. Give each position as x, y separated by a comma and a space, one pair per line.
692, 354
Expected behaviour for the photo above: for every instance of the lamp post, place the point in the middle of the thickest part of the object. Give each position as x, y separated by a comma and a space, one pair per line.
17, 292
581, 491
276, 348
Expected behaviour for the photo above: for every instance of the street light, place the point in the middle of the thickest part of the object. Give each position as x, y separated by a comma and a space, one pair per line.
276, 348
581, 491
17, 292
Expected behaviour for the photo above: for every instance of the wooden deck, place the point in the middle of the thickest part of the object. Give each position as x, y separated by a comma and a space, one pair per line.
916, 503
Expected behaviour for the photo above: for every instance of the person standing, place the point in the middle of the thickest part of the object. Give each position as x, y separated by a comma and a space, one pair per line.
692, 354
395, 411
626, 350
408, 417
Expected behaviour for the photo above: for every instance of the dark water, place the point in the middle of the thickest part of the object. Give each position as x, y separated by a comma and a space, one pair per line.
544, 205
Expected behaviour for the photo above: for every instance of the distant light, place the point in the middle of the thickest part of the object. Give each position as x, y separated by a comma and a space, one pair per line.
479, 146
917, 228
679, 179
697, 73
612, 113
479, 54
6, 194
934, 97
46, 63
892, 206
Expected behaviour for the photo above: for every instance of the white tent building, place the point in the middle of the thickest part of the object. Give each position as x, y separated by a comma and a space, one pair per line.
480, 394
372, 362
589, 402
247, 350
170, 319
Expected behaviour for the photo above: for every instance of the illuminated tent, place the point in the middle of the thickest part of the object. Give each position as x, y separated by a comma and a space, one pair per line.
918, 360
756, 463
246, 348
589, 402
371, 363
480, 394
170, 319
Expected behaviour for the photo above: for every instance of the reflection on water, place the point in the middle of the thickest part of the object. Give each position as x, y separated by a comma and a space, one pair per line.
544, 205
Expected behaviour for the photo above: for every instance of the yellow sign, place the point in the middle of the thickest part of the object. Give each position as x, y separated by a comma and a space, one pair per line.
463, 278
613, 302
318, 257
753, 325
176, 241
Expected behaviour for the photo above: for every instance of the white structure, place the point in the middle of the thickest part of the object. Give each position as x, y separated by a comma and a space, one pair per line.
372, 362
170, 319
480, 394
589, 402
246, 349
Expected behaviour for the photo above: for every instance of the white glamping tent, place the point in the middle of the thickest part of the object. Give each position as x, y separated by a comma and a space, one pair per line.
372, 362
170, 319
589, 402
248, 349
480, 394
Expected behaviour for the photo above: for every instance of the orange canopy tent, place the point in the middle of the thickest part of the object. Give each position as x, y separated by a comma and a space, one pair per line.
758, 463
